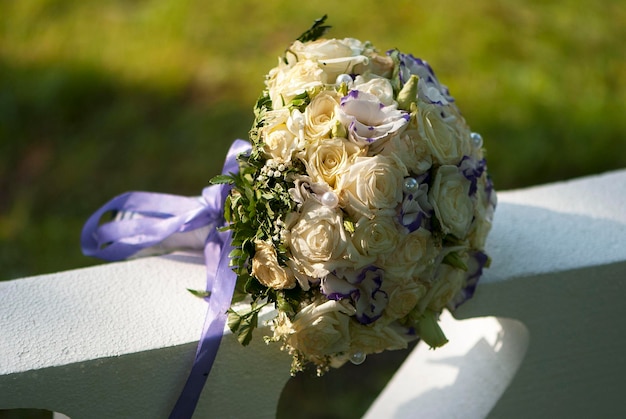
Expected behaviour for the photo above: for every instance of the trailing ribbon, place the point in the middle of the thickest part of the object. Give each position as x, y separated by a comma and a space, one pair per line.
160, 216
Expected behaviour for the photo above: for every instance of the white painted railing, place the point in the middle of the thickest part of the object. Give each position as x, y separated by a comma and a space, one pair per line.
543, 336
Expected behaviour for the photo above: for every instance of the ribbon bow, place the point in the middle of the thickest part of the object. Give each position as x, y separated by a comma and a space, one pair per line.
160, 216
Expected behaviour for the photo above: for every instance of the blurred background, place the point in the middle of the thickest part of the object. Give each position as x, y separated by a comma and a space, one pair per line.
99, 98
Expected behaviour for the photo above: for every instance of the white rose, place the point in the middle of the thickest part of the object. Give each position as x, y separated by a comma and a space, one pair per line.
372, 184
284, 83
409, 148
370, 339
451, 201
445, 132
320, 330
316, 240
279, 141
266, 269
334, 56
377, 86
324, 49
413, 254
319, 116
375, 236
381, 65
404, 294
448, 282
326, 160
486, 201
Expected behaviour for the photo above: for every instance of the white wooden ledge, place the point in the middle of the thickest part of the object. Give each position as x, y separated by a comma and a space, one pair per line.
118, 340
559, 270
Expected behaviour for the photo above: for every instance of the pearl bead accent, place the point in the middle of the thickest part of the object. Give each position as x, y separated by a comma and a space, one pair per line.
477, 139
357, 358
410, 185
343, 78
329, 199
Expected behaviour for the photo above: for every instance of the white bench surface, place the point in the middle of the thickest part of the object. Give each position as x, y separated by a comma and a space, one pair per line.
120, 338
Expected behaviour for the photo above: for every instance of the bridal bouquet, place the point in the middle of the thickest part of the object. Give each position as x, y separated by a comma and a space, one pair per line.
361, 210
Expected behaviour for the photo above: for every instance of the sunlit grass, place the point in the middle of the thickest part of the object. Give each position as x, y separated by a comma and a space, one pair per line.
100, 97
97, 98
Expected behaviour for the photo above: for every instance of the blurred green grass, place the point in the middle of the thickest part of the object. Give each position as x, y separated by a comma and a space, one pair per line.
99, 98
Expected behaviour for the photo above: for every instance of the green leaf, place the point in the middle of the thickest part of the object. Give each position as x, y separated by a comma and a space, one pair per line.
248, 323
429, 330
408, 94
227, 208
234, 320
222, 179
453, 259
253, 286
338, 130
316, 31
235, 253
243, 324
200, 293
348, 226
282, 303
488, 263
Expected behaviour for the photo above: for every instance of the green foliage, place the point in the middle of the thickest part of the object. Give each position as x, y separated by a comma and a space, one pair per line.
221, 180
257, 202
316, 31
429, 330
244, 324
200, 293
100, 98
454, 259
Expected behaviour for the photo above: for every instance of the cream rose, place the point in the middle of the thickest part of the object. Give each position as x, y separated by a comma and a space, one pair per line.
376, 236
412, 255
372, 184
321, 329
404, 294
319, 116
445, 132
409, 148
324, 49
266, 269
486, 201
335, 56
284, 83
316, 240
449, 281
450, 197
279, 141
370, 339
381, 65
327, 160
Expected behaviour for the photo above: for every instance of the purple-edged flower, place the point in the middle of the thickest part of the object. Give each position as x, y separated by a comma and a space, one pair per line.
429, 87
362, 288
475, 264
415, 210
472, 169
367, 119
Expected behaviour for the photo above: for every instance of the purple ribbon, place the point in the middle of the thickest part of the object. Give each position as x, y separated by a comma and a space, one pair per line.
161, 215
